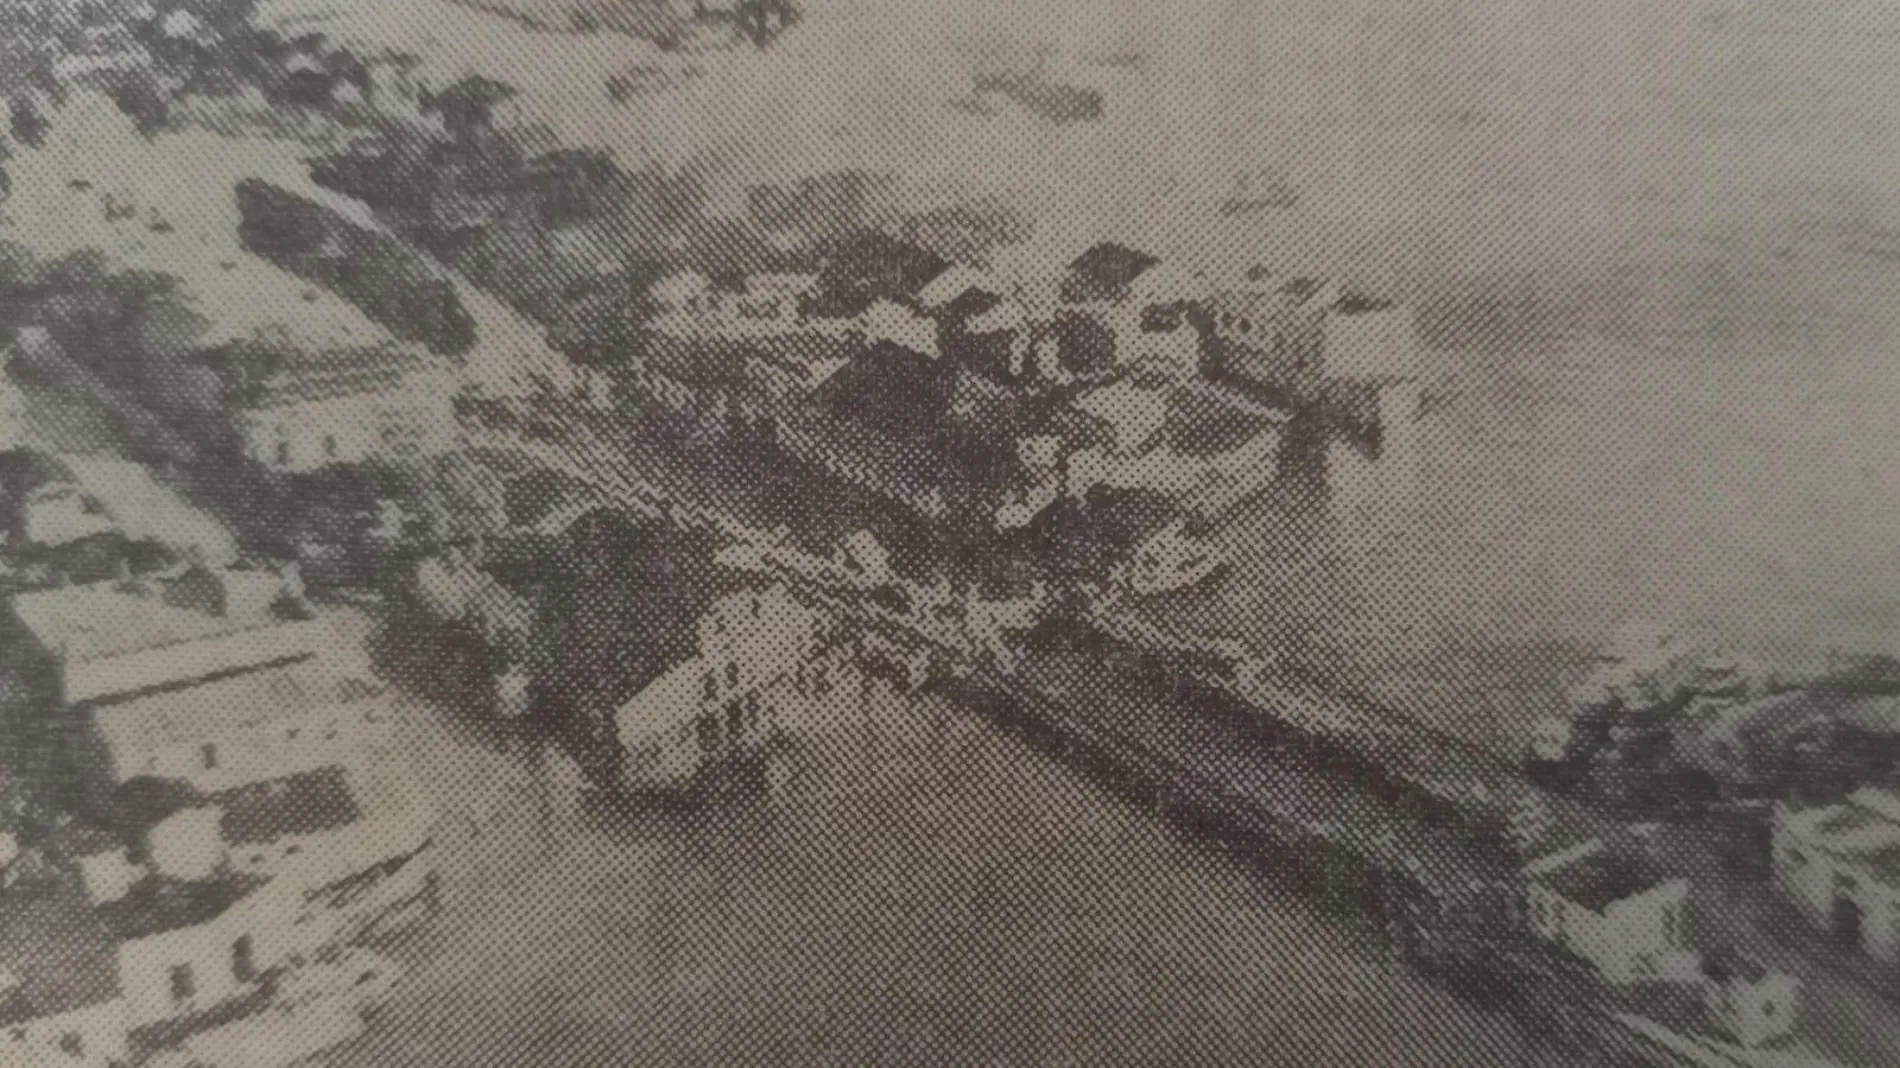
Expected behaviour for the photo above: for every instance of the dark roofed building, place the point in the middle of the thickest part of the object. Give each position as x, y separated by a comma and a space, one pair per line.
890, 389
869, 268
1203, 424
299, 805
1104, 273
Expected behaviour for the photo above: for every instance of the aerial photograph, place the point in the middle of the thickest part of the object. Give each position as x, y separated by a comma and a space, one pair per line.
991, 533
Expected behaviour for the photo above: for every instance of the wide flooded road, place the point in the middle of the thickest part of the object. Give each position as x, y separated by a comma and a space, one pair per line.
924, 890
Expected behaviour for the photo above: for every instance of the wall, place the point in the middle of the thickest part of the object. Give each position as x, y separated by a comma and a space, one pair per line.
98, 1029
1755, 1013
1646, 933
209, 950
1615, 939
256, 752
416, 418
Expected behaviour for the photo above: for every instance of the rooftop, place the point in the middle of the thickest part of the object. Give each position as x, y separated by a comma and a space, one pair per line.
146, 508
1104, 273
57, 949
108, 619
1601, 877
334, 374
301, 804
1203, 423
165, 718
870, 267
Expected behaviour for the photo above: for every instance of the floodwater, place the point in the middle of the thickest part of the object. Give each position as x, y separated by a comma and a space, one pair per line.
923, 890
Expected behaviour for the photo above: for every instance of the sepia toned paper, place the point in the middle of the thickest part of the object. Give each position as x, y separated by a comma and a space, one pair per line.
948, 532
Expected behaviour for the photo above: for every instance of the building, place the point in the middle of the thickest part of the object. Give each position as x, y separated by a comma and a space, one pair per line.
348, 407
872, 267
721, 704
186, 949
45, 505
1609, 906
232, 730
1200, 445
1142, 302
89, 643
1752, 1004
1840, 867
360, 854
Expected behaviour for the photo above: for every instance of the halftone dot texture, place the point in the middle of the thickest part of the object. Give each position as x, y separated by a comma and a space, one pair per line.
1650, 251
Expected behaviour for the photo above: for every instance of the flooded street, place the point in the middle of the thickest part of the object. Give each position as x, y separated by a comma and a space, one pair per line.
924, 890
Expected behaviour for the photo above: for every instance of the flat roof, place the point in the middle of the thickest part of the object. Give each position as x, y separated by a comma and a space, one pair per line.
107, 619
305, 803
198, 711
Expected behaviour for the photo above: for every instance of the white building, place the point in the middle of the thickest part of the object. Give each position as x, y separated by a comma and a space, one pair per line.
1611, 908
104, 639
722, 703
365, 407
1840, 866
188, 948
242, 728
887, 321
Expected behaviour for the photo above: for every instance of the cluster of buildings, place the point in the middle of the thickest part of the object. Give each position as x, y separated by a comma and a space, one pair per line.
214, 812
979, 398
1608, 904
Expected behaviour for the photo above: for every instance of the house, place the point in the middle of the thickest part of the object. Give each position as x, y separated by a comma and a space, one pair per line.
89, 643
720, 704
1000, 342
1840, 867
1748, 1001
1608, 905
887, 322
1196, 443
45, 506
872, 267
349, 407
61, 1003
187, 948
232, 730
1142, 304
